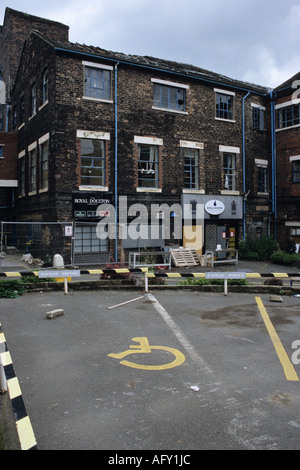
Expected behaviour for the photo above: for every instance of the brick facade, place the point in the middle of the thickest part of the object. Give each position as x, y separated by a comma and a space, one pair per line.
68, 116
287, 157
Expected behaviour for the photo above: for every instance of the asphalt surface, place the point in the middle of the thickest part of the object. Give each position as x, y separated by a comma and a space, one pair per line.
214, 380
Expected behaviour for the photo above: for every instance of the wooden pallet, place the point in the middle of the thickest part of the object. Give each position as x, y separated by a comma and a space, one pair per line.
184, 257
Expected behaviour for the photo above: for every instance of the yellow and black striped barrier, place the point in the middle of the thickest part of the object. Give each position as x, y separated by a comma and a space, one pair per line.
249, 275
9, 382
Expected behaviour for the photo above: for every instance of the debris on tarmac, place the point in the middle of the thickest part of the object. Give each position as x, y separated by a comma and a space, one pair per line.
275, 298
55, 313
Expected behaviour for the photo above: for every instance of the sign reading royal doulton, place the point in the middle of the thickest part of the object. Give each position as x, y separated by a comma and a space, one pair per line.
85, 204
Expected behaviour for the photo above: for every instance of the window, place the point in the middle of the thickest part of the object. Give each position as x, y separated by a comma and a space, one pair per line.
169, 96
45, 86
87, 241
92, 162
258, 118
44, 150
224, 105
14, 116
262, 179
22, 109
33, 99
191, 168
296, 171
22, 174
229, 165
32, 170
97, 82
288, 116
1, 151
148, 166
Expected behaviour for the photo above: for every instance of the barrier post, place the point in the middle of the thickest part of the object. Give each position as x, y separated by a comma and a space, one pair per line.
146, 283
225, 286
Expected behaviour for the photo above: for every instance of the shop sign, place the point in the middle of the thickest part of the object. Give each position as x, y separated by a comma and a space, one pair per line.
214, 207
85, 204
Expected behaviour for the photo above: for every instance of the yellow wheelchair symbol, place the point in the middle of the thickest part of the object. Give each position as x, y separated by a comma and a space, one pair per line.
144, 348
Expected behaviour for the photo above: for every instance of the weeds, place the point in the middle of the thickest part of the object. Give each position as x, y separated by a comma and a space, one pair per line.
11, 289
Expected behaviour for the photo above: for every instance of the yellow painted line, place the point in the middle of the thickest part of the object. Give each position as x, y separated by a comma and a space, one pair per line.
13, 274
150, 275
95, 271
288, 368
253, 275
280, 274
173, 274
14, 388
122, 270
26, 435
198, 274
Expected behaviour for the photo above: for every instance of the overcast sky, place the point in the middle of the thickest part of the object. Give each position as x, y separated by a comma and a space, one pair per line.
252, 40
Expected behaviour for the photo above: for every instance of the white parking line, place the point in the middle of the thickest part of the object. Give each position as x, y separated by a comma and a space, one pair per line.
179, 335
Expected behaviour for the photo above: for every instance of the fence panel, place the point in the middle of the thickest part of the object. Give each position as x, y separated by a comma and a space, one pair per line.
36, 243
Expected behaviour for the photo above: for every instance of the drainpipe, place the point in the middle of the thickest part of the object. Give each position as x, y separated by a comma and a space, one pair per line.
273, 150
116, 161
7, 111
244, 168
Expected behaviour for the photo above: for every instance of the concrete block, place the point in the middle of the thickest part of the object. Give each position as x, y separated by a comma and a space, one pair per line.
55, 313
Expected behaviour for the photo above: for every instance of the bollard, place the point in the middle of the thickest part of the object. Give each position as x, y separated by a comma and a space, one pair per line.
146, 283
3, 382
225, 287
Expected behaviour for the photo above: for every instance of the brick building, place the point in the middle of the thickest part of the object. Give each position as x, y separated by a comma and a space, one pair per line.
8, 175
94, 126
286, 103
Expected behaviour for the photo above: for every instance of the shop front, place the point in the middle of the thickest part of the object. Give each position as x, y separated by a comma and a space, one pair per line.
221, 224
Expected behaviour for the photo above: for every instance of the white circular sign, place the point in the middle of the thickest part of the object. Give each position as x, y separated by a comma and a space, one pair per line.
214, 207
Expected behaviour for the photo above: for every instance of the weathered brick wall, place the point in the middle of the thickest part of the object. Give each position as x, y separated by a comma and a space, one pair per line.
15, 30
8, 164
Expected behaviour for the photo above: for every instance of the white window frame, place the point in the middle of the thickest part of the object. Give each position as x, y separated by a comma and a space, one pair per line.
102, 67
170, 84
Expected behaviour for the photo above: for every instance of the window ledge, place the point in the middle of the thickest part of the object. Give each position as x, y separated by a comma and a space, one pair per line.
93, 188
230, 192
280, 129
99, 100
170, 110
43, 105
193, 191
224, 120
148, 190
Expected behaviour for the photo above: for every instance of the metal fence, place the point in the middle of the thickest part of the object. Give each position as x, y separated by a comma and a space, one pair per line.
35, 243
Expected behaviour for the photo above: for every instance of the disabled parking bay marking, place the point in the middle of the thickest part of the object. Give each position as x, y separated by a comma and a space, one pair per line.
145, 348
